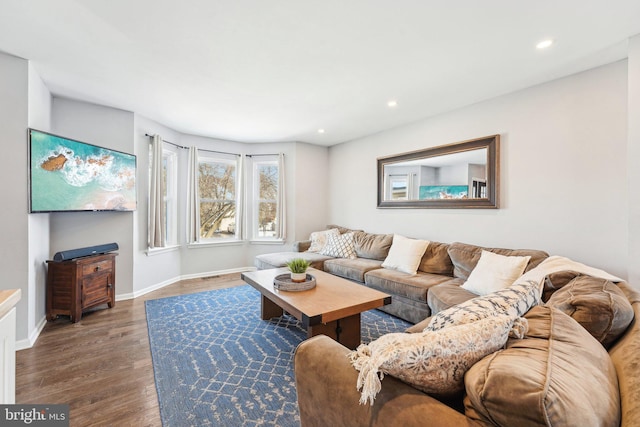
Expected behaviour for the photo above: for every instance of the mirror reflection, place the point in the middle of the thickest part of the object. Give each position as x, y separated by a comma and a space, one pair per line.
456, 175
451, 176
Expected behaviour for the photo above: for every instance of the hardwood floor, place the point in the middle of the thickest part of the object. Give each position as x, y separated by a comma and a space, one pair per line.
101, 366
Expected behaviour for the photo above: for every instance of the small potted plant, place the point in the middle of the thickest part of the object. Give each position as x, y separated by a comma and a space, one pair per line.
298, 268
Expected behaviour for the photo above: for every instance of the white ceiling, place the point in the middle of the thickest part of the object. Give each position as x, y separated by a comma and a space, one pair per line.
279, 70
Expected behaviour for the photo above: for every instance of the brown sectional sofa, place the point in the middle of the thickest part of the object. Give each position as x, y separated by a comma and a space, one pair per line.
436, 286
578, 364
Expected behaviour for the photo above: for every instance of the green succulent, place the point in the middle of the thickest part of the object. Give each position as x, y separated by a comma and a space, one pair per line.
298, 265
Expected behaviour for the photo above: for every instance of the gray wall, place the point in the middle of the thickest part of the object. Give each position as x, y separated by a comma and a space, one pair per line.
14, 250
306, 190
553, 136
106, 127
163, 267
39, 118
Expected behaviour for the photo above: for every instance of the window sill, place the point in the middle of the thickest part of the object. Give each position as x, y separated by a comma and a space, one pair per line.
158, 251
268, 242
209, 244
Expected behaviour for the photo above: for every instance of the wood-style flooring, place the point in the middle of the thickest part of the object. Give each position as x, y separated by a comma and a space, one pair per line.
101, 366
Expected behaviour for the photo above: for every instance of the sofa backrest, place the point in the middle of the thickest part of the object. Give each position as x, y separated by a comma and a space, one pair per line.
372, 246
465, 257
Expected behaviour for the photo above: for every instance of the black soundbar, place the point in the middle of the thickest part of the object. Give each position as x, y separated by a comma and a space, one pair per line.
82, 252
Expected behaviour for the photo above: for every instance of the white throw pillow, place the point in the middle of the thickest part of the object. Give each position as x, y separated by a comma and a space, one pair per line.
434, 362
405, 254
340, 246
494, 272
319, 239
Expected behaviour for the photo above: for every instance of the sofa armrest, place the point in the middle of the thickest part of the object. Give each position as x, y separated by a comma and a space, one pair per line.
327, 395
301, 245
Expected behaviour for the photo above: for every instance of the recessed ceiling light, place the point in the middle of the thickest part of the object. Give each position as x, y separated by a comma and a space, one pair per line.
544, 44
392, 103
320, 130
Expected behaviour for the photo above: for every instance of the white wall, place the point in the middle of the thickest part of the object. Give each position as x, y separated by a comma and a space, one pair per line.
39, 118
553, 137
14, 250
633, 159
110, 128
311, 190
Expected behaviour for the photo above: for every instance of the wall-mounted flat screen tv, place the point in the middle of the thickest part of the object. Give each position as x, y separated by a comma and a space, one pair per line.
71, 176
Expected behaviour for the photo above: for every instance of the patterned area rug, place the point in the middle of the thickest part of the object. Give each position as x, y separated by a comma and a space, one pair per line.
216, 363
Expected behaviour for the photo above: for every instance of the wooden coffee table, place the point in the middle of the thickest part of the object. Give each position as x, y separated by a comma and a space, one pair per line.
332, 308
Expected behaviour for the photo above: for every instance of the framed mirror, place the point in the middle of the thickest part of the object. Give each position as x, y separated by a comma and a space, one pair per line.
460, 175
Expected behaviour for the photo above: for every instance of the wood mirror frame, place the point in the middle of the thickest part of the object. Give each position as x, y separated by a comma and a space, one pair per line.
406, 189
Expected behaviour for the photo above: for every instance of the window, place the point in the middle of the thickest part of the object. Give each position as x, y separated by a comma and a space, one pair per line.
217, 189
169, 196
265, 199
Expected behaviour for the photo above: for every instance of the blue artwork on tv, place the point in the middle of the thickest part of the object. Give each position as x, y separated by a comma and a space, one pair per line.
69, 175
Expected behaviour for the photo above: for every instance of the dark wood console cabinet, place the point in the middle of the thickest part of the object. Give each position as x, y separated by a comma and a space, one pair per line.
78, 284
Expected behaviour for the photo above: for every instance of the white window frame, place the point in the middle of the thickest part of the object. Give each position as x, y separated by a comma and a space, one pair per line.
237, 201
255, 202
171, 199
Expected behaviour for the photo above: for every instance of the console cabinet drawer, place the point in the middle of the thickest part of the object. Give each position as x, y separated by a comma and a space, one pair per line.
96, 267
78, 284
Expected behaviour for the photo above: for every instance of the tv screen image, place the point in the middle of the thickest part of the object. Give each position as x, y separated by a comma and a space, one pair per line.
68, 175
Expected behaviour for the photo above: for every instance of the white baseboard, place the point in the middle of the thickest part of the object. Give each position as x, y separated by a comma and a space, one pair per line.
33, 336
161, 285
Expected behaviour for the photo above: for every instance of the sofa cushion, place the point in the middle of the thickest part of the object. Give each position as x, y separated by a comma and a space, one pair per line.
372, 246
597, 304
436, 259
280, 259
339, 246
353, 269
559, 375
405, 254
319, 239
411, 286
494, 272
465, 257
434, 362
447, 295
513, 301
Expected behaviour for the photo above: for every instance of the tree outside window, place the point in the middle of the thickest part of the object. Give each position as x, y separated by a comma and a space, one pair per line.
218, 195
266, 202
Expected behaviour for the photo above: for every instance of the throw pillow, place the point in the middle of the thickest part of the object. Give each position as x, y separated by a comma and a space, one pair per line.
340, 246
434, 362
597, 304
319, 239
513, 301
494, 272
405, 254
372, 246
